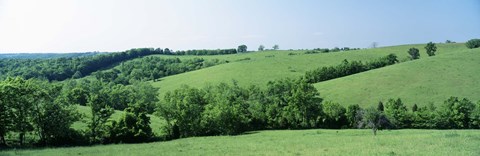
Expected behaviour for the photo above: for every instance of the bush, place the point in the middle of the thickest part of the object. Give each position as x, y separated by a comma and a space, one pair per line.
414, 53
473, 43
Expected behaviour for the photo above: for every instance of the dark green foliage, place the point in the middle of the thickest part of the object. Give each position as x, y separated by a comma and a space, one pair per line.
414, 53
455, 113
347, 68
132, 127
54, 124
28, 105
226, 112
334, 115
448, 41
206, 52
473, 43
380, 106
20, 98
261, 48
78, 96
351, 115
424, 117
63, 68
101, 112
59, 69
182, 109
475, 117
414, 108
292, 104
152, 68
431, 49
397, 112
326, 50
242, 48
275, 47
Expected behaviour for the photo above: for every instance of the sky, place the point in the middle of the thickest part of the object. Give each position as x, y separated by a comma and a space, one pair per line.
118, 25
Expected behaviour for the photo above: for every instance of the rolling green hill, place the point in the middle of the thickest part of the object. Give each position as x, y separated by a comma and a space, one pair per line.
432, 79
293, 142
262, 67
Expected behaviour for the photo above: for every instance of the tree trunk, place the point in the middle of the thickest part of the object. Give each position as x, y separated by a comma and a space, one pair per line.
374, 131
21, 137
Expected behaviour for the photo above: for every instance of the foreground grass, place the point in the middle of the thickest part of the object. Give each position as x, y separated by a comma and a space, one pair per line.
294, 142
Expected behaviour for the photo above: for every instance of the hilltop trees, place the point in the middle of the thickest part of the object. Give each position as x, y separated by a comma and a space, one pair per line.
261, 48
431, 48
276, 47
414, 53
473, 43
242, 48
347, 68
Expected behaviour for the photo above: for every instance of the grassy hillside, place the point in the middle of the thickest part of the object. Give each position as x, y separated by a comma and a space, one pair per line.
432, 79
270, 65
294, 142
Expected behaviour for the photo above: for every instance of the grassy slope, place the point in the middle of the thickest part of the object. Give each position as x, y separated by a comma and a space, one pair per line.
261, 68
295, 142
431, 79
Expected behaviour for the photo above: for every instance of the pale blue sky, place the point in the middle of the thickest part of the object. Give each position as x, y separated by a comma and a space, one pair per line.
117, 25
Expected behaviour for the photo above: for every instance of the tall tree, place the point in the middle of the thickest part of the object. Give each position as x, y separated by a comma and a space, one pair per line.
5, 111
431, 49
242, 48
261, 48
275, 47
101, 112
21, 98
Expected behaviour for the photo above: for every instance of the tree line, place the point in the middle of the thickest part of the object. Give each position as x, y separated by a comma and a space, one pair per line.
347, 68
326, 50
228, 109
59, 69
152, 68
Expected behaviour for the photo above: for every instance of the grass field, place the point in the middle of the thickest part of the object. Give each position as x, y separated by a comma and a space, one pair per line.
432, 79
293, 142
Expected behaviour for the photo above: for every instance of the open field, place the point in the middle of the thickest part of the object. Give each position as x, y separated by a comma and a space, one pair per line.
432, 79
293, 142
424, 75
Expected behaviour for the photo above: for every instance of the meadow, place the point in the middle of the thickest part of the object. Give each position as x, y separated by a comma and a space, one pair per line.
292, 142
429, 79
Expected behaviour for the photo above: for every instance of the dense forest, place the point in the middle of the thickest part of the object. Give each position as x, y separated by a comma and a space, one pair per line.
48, 110
59, 69
153, 68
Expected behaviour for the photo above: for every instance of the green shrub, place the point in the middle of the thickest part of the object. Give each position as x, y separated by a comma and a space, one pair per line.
473, 43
